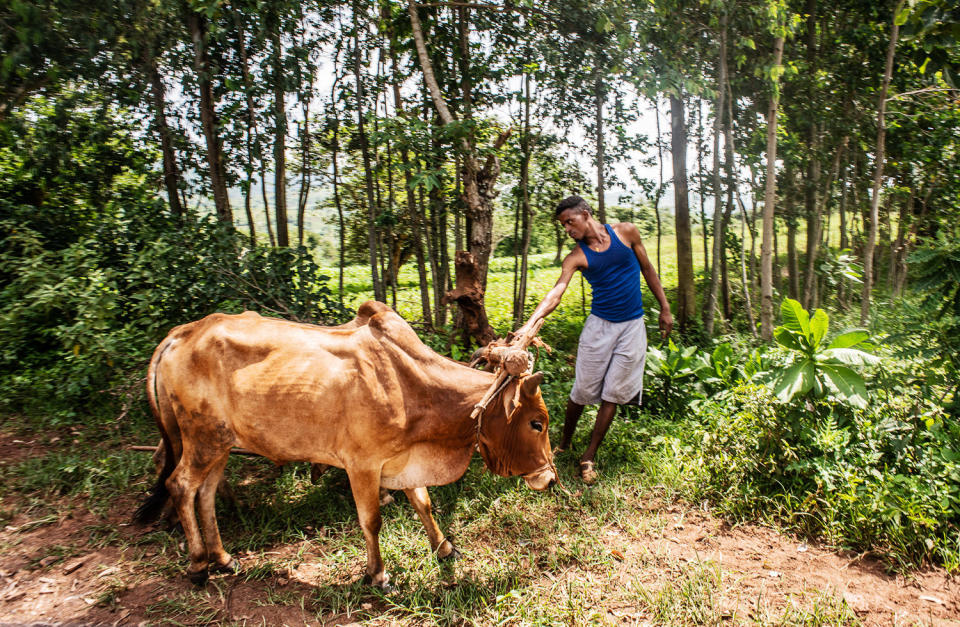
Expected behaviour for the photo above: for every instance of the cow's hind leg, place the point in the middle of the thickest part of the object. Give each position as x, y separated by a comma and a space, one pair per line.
420, 499
218, 560
183, 485
365, 485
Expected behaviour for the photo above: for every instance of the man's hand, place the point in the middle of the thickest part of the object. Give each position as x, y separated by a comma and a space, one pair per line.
666, 323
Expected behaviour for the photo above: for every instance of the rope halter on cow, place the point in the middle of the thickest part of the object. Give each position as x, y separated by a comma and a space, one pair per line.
512, 361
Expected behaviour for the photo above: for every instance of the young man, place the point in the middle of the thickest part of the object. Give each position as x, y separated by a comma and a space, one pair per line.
613, 343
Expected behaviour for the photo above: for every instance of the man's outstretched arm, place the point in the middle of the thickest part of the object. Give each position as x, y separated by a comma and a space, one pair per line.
571, 263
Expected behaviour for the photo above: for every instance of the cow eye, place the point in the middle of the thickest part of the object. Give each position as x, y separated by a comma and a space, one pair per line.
536, 425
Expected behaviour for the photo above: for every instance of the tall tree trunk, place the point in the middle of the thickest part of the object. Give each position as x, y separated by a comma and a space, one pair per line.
686, 290
378, 291
748, 304
414, 213
171, 173
701, 196
842, 210
659, 191
306, 152
710, 306
280, 137
878, 169
811, 183
208, 117
251, 121
769, 201
599, 94
526, 214
793, 264
479, 191
335, 159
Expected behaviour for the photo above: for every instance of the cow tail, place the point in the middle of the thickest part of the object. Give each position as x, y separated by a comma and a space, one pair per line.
151, 508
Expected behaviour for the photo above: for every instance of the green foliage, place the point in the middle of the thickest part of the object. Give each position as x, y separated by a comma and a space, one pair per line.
86, 295
874, 477
675, 371
818, 368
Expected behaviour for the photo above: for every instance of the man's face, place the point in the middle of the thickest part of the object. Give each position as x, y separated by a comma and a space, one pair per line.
574, 222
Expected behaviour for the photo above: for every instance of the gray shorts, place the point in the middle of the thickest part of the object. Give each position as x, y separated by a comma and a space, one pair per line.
610, 361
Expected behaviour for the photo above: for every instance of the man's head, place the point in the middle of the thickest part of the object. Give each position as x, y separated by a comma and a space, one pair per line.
573, 214
571, 202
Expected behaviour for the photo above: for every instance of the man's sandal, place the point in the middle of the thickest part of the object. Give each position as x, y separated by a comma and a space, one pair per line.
587, 473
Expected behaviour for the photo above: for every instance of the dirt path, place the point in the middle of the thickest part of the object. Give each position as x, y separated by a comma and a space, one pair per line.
88, 569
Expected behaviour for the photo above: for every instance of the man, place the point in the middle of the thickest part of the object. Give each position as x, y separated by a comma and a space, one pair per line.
613, 343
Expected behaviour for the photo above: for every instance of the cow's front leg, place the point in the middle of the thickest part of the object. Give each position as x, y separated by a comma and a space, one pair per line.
365, 485
420, 499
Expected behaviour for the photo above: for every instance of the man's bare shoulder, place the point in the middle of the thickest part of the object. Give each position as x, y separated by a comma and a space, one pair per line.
627, 231
575, 259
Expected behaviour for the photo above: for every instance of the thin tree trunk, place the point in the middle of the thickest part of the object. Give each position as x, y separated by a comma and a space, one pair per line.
306, 169
700, 194
718, 212
686, 290
659, 191
878, 169
378, 290
280, 137
769, 201
599, 93
526, 149
251, 122
171, 173
334, 158
748, 304
266, 201
208, 117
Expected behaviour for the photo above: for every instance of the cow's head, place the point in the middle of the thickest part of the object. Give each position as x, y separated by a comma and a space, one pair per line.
513, 437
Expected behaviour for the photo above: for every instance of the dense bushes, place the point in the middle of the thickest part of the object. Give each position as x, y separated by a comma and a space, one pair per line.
869, 467
877, 479
94, 274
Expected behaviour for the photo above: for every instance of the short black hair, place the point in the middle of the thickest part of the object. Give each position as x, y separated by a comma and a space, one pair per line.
571, 202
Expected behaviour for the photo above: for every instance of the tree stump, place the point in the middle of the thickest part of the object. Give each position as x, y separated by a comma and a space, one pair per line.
469, 297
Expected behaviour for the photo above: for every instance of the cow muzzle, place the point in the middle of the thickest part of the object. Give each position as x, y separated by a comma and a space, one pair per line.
541, 478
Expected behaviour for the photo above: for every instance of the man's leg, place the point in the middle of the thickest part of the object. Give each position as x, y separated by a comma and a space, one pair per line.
570, 420
605, 417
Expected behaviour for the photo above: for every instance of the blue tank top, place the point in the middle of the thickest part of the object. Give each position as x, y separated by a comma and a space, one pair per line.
614, 276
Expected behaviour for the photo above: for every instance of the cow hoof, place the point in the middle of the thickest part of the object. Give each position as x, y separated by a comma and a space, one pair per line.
231, 568
383, 584
198, 578
452, 556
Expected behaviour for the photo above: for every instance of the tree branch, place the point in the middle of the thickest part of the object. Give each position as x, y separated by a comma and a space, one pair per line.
490, 7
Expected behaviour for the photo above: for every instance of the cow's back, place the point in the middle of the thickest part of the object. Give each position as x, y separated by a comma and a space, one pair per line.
286, 390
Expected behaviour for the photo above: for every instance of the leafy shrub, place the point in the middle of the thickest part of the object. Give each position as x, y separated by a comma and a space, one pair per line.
818, 367
876, 479
94, 271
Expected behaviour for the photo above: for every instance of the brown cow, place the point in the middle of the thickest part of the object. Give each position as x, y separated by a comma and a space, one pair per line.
367, 396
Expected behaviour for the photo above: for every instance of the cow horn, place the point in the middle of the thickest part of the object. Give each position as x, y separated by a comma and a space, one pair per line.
531, 383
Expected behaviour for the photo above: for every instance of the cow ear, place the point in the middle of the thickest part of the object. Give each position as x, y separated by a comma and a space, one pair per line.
531, 383
511, 401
